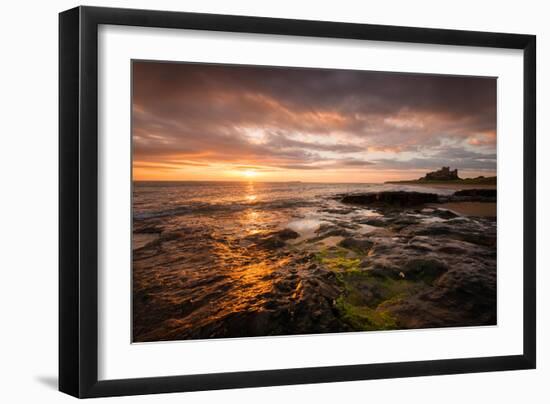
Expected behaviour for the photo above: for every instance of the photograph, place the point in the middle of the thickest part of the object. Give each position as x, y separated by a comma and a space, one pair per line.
271, 201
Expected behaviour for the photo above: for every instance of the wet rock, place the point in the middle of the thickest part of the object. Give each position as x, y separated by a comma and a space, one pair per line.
382, 245
444, 214
330, 230
405, 220
426, 270
338, 211
287, 234
433, 229
348, 226
391, 198
477, 193
471, 195
360, 245
147, 226
272, 243
463, 296
382, 270
274, 240
401, 222
474, 233
457, 248
374, 221
170, 236
421, 244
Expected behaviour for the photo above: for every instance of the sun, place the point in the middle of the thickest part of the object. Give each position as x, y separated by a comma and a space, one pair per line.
249, 173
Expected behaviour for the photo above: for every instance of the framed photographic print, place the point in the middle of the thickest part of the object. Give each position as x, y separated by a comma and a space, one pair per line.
251, 201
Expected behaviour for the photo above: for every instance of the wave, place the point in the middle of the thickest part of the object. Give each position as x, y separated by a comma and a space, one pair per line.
203, 208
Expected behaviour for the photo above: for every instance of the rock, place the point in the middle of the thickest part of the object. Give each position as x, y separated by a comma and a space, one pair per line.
467, 231
421, 244
374, 221
444, 214
401, 222
463, 296
287, 234
478, 193
404, 220
169, 236
148, 226
386, 272
329, 230
455, 247
361, 245
275, 240
338, 211
434, 229
391, 198
272, 243
424, 269
472, 195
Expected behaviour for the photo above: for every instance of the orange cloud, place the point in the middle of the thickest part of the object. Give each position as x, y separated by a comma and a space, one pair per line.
190, 120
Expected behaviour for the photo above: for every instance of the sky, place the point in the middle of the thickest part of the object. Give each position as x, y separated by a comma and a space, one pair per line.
234, 123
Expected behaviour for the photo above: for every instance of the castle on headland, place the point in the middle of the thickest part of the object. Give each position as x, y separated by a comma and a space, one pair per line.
445, 174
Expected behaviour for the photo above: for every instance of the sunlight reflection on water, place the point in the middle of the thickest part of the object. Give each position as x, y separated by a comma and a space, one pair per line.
306, 227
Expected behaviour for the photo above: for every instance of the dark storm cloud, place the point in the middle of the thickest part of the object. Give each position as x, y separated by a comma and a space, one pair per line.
282, 142
298, 117
453, 156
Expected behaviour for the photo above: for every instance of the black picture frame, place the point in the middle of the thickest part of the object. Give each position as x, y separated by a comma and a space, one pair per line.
78, 201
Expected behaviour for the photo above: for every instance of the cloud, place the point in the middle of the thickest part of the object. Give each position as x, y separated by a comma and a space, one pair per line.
355, 163
451, 156
302, 119
300, 167
280, 141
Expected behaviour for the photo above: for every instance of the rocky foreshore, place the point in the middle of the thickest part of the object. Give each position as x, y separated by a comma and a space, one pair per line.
408, 199
422, 266
377, 261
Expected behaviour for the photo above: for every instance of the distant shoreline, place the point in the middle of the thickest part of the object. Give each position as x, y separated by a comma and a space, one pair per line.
466, 181
457, 186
